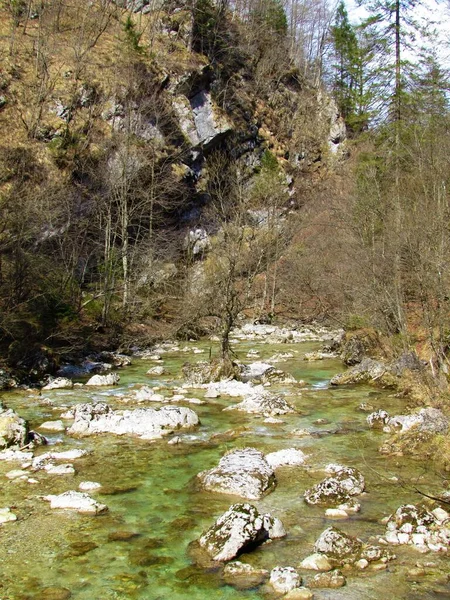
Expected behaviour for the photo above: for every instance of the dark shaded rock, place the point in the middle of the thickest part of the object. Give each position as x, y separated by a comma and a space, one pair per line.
54, 593
122, 536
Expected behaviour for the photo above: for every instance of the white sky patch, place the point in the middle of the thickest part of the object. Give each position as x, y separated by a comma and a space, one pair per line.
434, 13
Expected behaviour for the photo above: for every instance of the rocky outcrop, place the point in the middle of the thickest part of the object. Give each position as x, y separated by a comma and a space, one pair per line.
146, 423
337, 488
241, 527
263, 403
245, 473
13, 429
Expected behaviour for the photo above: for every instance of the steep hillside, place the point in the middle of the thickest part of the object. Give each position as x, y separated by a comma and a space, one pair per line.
132, 133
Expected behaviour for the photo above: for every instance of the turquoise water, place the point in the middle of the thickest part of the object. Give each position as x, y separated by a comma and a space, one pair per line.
140, 548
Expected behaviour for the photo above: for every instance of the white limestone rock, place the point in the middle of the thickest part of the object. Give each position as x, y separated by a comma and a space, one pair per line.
104, 380
243, 472
316, 562
337, 544
6, 516
77, 501
60, 469
284, 579
60, 383
337, 488
89, 486
287, 457
263, 403
146, 423
239, 527
56, 426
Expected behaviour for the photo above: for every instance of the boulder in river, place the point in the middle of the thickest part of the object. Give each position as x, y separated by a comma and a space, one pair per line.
241, 527
338, 545
77, 501
209, 371
367, 371
260, 372
104, 380
147, 423
13, 429
60, 383
264, 403
243, 472
336, 489
286, 457
284, 579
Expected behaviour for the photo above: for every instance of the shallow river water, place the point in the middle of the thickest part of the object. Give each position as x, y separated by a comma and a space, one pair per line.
139, 548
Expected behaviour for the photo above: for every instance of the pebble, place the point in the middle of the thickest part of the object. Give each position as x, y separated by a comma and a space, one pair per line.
15, 474
336, 513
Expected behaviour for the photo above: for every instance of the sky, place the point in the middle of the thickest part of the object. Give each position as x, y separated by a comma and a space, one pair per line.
435, 12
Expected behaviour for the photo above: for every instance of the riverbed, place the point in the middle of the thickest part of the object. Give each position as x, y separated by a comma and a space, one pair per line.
139, 549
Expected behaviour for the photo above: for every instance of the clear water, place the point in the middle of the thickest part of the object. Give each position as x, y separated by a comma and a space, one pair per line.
150, 490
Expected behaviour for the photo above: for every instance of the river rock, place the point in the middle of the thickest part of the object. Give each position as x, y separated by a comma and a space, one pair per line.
263, 403
415, 525
244, 576
287, 457
103, 380
147, 423
430, 420
284, 579
240, 527
6, 516
260, 372
77, 501
378, 419
332, 579
60, 469
52, 426
367, 371
316, 562
244, 473
13, 429
89, 486
337, 545
156, 371
337, 488
204, 372
59, 383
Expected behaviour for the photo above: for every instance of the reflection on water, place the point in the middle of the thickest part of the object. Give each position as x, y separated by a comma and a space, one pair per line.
139, 549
